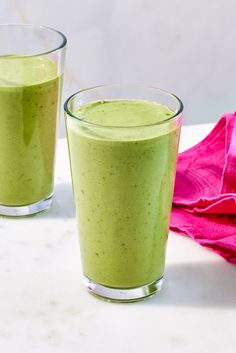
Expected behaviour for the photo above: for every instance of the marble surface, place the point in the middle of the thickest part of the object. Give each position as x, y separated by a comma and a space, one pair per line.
186, 47
44, 307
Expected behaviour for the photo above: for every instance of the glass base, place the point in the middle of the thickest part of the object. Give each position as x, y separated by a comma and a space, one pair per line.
27, 210
125, 295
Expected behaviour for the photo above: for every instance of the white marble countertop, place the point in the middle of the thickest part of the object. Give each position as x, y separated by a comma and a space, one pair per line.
44, 307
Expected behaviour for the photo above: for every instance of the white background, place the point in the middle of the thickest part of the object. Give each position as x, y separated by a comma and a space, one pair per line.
185, 46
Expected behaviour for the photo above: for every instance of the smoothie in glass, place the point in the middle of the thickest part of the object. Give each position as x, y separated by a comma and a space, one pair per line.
123, 163
29, 97
31, 69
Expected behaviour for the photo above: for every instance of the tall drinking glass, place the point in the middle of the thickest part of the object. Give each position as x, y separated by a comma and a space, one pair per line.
123, 144
31, 69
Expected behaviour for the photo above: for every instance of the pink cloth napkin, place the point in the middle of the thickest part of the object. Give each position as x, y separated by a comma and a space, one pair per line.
204, 205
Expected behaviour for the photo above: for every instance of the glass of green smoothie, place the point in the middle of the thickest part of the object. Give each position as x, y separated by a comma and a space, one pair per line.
31, 69
123, 145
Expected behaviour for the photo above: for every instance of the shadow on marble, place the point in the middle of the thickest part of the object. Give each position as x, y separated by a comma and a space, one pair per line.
204, 284
63, 203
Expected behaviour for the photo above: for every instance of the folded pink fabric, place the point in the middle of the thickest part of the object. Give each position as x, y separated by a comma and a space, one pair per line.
204, 205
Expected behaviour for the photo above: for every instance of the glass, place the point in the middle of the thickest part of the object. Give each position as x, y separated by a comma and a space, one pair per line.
123, 177
31, 69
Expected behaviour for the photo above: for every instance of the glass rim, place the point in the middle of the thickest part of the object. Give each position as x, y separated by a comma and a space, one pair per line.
173, 117
35, 26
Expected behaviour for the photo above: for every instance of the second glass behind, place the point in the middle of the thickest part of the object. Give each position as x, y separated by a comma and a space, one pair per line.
31, 69
123, 144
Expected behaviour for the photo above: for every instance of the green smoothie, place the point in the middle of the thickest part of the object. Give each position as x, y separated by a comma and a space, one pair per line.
123, 176
29, 98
